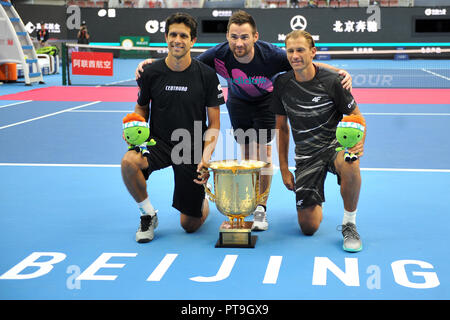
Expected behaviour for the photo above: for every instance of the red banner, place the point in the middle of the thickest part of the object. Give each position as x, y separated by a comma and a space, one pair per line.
92, 63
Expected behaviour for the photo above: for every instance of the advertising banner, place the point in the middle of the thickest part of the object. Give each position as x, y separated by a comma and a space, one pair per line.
53, 17
337, 25
132, 41
351, 27
92, 63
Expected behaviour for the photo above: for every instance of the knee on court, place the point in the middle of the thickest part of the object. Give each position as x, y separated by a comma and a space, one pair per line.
308, 228
191, 225
309, 219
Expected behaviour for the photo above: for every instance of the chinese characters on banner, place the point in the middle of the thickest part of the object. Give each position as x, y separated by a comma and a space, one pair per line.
355, 26
51, 27
92, 63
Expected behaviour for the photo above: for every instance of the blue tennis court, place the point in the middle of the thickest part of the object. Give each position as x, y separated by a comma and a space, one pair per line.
67, 223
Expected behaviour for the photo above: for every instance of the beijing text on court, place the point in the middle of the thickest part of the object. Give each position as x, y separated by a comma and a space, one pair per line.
423, 276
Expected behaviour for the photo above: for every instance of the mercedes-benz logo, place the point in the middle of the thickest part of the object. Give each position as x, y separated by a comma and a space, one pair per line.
152, 26
298, 23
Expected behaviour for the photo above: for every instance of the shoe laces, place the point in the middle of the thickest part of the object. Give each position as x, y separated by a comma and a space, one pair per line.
348, 231
260, 216
146, 222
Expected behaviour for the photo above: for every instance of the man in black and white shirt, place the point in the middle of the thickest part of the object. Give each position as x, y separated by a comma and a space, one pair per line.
314, 101
185, 97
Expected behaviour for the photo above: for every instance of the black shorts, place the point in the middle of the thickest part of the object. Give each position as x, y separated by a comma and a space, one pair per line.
187, 195
251, 121
310, 178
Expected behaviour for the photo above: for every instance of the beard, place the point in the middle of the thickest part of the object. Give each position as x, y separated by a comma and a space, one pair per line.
242, 52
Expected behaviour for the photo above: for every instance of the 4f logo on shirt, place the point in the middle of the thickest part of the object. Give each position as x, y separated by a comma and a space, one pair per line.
351, 104
316, 99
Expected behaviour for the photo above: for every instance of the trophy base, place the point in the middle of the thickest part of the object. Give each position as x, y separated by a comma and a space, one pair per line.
232, 236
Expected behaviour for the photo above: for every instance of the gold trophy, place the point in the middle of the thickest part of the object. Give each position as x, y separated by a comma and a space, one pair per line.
236, 187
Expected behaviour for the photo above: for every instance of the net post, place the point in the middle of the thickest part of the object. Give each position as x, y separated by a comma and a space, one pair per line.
68, 68
63, 62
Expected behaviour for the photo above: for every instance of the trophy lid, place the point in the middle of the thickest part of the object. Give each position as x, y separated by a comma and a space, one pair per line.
234, 165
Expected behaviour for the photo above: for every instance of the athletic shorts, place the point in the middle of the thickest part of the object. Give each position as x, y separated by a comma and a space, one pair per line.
256, 116
187, 195
310, 178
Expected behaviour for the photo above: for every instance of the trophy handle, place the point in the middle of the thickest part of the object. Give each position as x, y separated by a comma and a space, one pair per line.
211, 196
263, 197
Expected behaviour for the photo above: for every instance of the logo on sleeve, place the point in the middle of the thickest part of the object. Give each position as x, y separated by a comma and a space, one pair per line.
350, 105
219, 88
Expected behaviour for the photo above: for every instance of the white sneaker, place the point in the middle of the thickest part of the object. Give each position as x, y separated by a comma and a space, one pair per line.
352, 240
146, 231
260, 219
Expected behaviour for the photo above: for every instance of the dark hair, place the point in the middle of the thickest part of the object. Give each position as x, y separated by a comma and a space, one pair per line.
240, 17
184, 18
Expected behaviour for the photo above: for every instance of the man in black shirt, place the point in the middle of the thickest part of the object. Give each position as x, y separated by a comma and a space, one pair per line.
313, 100
184, 94
42, 35
250, 66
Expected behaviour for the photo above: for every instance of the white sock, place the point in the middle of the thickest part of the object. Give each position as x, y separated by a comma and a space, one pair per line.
349, 217
146, 207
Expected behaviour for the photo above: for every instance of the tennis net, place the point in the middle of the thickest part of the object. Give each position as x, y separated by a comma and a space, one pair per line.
426, 67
